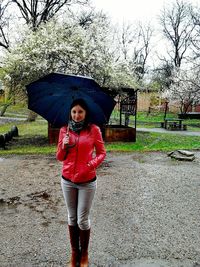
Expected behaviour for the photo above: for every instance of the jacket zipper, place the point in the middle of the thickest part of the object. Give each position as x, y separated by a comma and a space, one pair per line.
77, 142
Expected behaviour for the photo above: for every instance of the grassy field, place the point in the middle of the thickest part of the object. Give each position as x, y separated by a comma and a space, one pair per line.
154, 120
33, 137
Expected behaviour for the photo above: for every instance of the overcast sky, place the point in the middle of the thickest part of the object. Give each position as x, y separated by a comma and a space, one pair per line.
139, 10
132, 10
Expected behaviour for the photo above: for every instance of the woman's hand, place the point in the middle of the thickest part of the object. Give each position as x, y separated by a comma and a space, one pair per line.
65, 141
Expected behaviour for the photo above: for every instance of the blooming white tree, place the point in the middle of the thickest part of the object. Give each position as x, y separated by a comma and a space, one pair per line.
68, 47
185, 88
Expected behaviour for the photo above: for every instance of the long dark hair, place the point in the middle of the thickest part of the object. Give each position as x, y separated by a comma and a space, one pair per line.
81, 102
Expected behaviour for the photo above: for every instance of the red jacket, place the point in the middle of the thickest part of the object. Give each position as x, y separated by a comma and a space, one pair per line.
79, 161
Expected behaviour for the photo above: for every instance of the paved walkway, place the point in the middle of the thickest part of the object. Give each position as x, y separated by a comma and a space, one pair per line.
4, 120
161, 130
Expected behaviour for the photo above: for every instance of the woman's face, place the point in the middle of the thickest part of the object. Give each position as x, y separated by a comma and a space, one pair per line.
78, 113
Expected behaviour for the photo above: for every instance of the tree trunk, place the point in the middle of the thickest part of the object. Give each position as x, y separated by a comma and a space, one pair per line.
5, 106
166, 109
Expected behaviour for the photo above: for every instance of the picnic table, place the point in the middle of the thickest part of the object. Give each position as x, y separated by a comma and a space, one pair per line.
174, 124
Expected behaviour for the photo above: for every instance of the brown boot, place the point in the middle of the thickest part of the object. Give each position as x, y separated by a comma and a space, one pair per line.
84, 241
74, 240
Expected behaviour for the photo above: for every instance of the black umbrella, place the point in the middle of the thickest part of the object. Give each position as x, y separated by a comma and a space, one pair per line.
52, 95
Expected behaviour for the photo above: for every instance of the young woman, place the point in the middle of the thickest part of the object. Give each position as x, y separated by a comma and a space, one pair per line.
77, 142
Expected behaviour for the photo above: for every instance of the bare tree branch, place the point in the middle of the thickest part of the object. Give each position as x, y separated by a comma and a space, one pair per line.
178, 28
35, 12
4, 22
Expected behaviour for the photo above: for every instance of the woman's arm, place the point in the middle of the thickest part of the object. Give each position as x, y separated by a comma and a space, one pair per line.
99, 147
61, 149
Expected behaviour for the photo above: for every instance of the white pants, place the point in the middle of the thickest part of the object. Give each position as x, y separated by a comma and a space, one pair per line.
78, 199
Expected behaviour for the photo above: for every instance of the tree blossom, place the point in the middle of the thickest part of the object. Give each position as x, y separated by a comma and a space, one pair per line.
185, 88
68, 48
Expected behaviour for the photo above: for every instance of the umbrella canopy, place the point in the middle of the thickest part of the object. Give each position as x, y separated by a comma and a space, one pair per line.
52, 95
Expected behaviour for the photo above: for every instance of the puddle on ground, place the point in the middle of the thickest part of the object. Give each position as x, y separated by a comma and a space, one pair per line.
10, 201
104, 167
33, 201
9, 206
40, 195
106, 164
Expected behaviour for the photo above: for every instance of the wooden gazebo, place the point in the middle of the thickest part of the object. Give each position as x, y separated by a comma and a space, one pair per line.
123, 128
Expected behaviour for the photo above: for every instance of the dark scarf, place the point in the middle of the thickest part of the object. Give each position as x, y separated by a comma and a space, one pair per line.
76, 126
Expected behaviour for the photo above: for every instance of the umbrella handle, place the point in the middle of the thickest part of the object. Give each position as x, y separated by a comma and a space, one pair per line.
67, 134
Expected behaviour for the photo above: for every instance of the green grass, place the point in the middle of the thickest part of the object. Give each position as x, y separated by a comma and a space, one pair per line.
153, 117
27, 128
153, 120
29, 149
33, 139
156, 142
17, 109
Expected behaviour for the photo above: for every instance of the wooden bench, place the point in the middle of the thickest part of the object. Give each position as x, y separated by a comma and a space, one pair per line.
173, 124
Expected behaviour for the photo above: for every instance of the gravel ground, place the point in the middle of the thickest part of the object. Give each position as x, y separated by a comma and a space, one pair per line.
146, 212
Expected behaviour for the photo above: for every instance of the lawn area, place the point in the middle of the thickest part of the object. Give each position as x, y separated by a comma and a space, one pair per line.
33, 139
154, 119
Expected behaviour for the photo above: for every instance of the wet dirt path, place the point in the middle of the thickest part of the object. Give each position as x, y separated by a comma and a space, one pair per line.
145, 213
